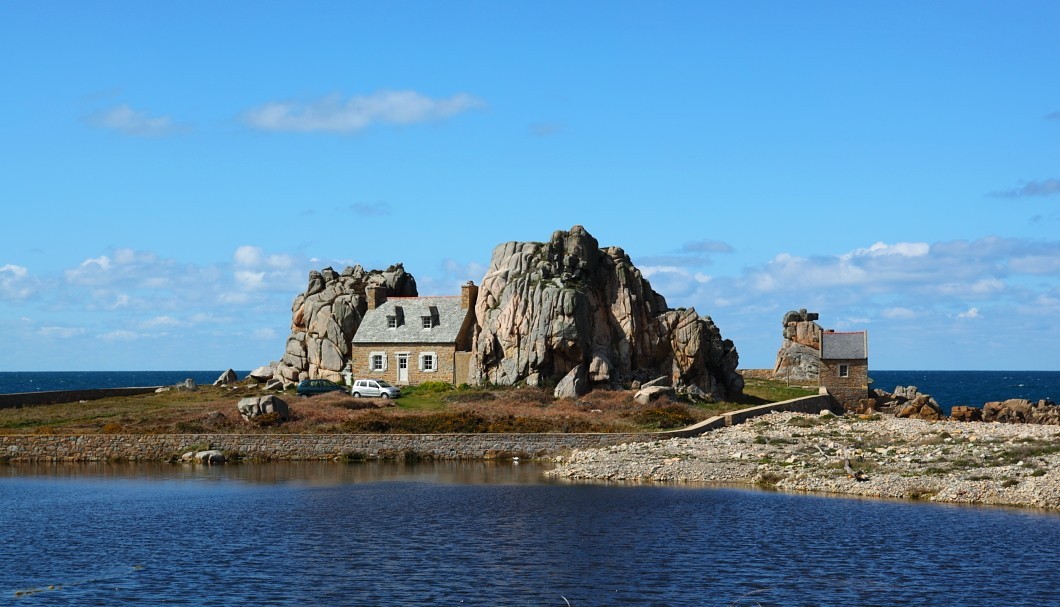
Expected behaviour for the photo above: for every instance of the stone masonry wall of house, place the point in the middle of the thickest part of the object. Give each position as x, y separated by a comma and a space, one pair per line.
444, 360
847, 390
163, 447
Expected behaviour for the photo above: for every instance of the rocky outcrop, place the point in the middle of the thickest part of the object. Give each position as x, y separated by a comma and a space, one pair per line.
1020, 410
962, 413
799, 357
325, 317
907, 401
545, 309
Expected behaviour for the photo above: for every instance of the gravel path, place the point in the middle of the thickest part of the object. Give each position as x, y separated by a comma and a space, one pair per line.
964, 462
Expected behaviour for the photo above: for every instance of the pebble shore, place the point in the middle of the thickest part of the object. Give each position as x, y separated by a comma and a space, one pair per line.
872, 456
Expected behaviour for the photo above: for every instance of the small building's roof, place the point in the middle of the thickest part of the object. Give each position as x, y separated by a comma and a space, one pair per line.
445, 312
844, 346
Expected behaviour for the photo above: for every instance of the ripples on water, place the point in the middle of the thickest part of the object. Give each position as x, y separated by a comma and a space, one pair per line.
481, 534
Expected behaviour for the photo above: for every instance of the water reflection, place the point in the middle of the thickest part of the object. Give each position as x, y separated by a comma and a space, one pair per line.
321, 473
491, 533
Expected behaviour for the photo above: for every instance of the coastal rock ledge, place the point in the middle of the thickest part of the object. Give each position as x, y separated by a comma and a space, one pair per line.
877, 456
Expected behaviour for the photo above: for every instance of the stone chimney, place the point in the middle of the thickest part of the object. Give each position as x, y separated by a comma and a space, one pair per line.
376, 295
468, 295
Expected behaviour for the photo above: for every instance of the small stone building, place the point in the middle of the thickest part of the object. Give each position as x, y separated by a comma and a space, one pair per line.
411, 340
845, 366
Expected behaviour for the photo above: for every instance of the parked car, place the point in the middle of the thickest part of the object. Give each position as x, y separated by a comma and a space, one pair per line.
374, 387
309, 387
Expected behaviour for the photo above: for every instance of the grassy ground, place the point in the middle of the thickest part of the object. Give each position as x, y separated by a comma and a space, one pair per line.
428, 408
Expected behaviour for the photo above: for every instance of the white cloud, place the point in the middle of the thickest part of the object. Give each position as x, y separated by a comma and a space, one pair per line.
898, 312
881, 249
120, 335
970, 313
333, 114
128, 121
61, 332
160, 321
15, 282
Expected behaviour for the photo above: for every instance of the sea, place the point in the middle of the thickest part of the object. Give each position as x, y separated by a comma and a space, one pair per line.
496, 533
489, 534
44, 381
949, 388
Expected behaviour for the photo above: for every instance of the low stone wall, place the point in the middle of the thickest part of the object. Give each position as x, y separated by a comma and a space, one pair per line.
54, 397
161, 447
756, 373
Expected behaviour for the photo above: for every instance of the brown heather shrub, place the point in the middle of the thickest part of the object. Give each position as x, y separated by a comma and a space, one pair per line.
112, 428
665, 417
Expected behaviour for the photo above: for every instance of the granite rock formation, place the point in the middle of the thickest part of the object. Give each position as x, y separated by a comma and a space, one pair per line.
547, 309
799, 357
906, 401
1021, 410
325, 317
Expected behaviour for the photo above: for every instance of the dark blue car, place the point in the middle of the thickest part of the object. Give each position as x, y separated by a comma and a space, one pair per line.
309, 387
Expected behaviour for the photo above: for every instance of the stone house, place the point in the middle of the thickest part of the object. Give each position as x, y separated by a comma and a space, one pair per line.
411, 340
845, 366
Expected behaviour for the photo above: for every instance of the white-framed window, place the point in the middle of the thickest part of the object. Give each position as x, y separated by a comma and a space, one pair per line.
377, 361
428, 362
844, 370
391, 322
428, 322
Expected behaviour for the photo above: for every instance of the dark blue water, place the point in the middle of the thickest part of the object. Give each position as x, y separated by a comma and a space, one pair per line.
480, 534
42, 381
951, 388
948, 387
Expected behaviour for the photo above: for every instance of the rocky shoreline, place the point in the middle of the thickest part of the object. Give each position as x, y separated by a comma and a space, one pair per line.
863, 455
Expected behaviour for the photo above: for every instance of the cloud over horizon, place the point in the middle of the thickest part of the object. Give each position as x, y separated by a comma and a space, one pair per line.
334, 114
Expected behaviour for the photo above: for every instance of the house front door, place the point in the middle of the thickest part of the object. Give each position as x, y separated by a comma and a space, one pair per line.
403, 368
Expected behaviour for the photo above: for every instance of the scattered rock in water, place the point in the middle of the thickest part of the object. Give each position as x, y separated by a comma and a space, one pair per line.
208, 457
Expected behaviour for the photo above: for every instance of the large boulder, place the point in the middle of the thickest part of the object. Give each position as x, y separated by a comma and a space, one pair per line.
256, 406
545, 309
651, 394
326, 316
263, 373
573, 384
799, 357
226, 378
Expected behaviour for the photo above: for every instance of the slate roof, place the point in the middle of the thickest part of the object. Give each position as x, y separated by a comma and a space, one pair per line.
445, 313
844, 346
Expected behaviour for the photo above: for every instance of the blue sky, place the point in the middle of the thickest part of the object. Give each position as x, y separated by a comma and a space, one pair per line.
171, 173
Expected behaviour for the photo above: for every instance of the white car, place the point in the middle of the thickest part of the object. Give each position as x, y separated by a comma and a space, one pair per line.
374, 387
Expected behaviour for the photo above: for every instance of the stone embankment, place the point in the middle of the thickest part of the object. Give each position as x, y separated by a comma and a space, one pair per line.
877, 456
163, 447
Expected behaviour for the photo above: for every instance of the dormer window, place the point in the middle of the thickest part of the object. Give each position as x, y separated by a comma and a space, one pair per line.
428, 322
391, 322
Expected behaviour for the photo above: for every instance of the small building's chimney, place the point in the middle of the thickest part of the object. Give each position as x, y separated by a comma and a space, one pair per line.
468, 295
376, 295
